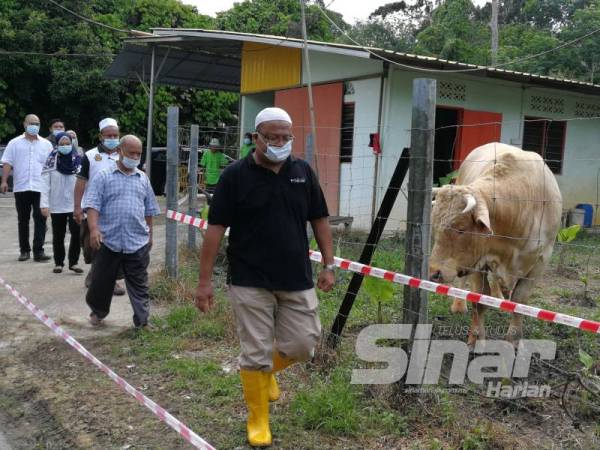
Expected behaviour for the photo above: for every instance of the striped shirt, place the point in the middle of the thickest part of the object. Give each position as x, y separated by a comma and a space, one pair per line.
123, 201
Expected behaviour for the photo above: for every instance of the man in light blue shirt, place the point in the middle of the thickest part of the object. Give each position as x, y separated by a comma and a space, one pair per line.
120, 205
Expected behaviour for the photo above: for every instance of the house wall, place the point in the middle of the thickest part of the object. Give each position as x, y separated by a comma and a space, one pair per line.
578, 181
357, 178
581, 161
251, 105
332, 67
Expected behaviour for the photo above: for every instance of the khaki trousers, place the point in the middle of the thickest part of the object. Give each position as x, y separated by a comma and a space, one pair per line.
267, 321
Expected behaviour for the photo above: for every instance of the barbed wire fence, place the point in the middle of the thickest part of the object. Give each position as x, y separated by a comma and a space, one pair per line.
571, 280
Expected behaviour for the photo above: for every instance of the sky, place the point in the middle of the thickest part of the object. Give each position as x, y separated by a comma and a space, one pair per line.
352, 10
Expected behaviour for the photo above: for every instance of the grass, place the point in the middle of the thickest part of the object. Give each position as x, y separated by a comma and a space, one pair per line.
193, 356
330, 405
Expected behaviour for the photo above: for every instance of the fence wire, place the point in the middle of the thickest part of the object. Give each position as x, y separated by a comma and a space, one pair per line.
571, 280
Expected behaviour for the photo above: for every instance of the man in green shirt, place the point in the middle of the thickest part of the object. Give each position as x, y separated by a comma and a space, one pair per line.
213, 161
248, 146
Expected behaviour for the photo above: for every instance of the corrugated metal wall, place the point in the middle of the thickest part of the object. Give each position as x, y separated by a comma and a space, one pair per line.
268, 67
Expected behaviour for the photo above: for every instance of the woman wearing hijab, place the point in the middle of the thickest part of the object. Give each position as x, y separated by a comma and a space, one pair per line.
57, 200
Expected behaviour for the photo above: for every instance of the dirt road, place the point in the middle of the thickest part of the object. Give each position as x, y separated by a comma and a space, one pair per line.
62, 297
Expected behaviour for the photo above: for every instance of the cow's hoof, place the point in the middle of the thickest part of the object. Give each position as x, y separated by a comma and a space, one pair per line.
459, 307
471, 341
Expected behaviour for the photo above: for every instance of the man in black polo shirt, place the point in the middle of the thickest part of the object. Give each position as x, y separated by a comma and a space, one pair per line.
266, 200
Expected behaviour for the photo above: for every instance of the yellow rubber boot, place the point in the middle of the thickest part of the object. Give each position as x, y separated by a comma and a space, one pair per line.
274, 392
256, 394
279, 363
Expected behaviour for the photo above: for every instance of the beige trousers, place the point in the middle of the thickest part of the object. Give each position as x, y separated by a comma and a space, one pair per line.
285, 321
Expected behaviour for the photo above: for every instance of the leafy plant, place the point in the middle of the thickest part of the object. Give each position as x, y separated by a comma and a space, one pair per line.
568, 234
448, 178
564, 236
379, 290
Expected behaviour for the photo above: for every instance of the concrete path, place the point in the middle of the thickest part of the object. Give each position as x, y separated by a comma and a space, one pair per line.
61, 296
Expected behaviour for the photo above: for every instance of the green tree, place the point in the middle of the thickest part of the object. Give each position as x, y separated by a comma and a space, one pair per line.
455, 34
585, 60
280, 18
75, 88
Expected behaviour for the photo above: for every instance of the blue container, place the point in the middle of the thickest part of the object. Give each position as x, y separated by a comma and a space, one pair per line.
589, 213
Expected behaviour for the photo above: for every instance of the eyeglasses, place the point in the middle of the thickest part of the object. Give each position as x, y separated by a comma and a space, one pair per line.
274, 140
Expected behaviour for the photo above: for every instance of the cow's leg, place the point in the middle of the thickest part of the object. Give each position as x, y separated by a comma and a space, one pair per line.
479, 284
520, 294
459, 305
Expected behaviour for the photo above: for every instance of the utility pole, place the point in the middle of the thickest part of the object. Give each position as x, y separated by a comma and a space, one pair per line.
494, 26
418, 228
172, 188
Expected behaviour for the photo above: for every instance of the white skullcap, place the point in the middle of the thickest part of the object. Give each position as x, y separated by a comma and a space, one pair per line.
108, 122
269, 114
214, 142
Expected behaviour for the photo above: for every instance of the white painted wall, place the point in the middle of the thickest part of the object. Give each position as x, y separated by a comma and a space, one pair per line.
251, 105
358, 178
332, 67
581, 164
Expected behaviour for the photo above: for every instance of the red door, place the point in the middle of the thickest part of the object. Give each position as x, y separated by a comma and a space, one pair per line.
479, 127
328, 117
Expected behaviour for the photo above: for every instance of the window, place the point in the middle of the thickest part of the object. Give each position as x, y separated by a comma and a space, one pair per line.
347, 135
547, 138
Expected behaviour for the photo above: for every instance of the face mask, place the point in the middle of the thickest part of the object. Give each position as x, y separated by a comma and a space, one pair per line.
55, 132
65, 149
247, 141
111, 144
278, 154
32, 130
130, 163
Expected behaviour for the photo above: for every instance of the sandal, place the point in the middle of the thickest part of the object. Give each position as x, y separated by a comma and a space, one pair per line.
76, 269
57, 269
95, 320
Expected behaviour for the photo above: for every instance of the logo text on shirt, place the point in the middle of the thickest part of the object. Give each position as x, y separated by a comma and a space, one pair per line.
298, 180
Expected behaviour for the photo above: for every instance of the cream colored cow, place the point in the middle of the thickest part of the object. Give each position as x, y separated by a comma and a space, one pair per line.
496, 226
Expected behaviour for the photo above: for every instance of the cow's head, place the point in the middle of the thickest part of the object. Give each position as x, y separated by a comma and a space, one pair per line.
460, 228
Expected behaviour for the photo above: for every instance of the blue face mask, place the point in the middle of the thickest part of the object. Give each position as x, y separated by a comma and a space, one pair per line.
32, 130
279, 154
247, 141
65, 149
111, 144
130, 163
55, 132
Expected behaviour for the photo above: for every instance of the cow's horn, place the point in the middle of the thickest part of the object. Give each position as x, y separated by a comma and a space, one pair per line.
471, 202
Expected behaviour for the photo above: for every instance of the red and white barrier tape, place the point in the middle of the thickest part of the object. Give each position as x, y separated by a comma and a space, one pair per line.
159, 411
395, 277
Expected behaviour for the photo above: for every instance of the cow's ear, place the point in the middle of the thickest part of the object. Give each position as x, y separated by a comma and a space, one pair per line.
482, 218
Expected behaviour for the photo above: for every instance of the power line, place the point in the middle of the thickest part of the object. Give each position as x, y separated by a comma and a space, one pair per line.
58, 55
475, 69
89, 20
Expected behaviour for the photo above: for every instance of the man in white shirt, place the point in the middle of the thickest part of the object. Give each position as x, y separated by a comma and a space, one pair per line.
25, 155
